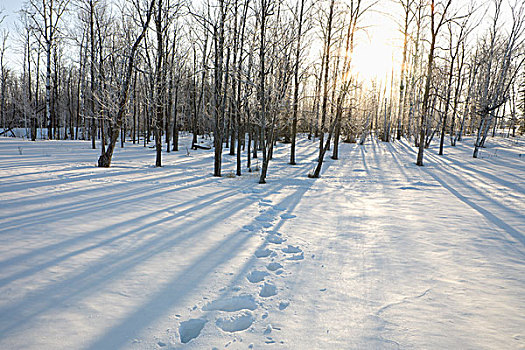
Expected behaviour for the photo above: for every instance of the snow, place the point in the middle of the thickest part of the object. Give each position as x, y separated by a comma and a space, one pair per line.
377, 253
274, 266
189, 330
236, 303
235, 323
268, 290
257, 276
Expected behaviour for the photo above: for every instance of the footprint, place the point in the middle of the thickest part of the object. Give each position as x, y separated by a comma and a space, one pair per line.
296, 257
263, 253
268, 290
191, 329
257, 276
232, 304
269, 211
274, 266
275, 238
283, 305
292, 250
264, 218
236, 323
287, 216
250, 227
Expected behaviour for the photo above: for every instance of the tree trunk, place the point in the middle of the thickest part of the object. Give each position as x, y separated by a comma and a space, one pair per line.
296, 84
105, 159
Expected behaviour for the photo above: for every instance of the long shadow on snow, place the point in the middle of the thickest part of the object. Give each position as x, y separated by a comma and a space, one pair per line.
455, 165
119, 335
109, 268
487, 214
92, 204
134, 231
108, 173
114, 203
289, 203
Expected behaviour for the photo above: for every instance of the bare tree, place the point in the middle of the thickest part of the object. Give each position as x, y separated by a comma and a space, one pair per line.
300, 20
105, 159
408, 16
4, 34
502, 61
438, 17
46, 16
456, 41
265, 10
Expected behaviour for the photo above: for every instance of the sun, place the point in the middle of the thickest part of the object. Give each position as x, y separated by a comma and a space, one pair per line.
375, 53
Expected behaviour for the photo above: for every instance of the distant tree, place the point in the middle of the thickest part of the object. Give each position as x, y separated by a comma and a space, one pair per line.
105, 159
328, 36
46, 16
500, 63
456, 43
300, 19
521, 105
408, 16
265, 10
438, 18
3, 76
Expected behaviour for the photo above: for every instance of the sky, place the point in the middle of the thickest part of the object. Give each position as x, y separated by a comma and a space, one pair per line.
9, 8
374, 54
373, 58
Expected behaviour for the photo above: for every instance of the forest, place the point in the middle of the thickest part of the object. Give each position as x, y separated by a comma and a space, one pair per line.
262, 174
250, 73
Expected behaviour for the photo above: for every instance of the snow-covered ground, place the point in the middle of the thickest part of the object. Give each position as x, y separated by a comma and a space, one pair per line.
376, 254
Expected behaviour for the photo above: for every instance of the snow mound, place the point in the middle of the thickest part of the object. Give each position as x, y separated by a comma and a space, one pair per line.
191, 329
236, 323
268, 290
235, 303
257, 276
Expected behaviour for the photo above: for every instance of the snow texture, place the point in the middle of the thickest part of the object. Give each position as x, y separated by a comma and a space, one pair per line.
189, 330
379, 253
268, 290
236, 323
232, 304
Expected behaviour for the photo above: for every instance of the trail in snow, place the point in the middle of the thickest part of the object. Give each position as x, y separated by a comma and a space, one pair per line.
378, 253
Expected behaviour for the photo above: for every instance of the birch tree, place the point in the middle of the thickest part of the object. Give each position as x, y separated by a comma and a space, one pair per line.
438, 18
501, 63
105, 159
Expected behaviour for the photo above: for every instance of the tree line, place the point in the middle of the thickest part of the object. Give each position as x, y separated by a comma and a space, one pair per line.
249, 73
